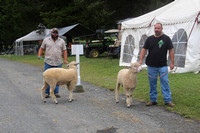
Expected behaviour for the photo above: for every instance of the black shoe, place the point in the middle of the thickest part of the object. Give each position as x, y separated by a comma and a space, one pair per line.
57, 95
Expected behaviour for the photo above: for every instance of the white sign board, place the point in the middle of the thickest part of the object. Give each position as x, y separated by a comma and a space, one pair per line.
77, 49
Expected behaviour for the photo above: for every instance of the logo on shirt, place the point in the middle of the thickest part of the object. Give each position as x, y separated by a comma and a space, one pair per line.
160, 43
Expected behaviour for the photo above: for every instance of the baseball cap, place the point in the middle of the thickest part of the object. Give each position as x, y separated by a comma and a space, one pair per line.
54, 30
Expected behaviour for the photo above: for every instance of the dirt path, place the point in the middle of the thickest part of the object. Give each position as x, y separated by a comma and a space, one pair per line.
93, 111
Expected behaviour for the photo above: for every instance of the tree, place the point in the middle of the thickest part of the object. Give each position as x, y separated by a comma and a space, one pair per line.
17, 18
92, 14
9, 22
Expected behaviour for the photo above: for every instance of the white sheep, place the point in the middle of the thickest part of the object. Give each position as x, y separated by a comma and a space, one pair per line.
128, 79
60, 76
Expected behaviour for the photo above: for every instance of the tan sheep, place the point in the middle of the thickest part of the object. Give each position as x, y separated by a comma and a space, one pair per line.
60, 76
128, 79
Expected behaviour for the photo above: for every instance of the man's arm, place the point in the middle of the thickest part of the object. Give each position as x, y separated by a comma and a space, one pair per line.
40, 52
65, 56
142, 54
171, 55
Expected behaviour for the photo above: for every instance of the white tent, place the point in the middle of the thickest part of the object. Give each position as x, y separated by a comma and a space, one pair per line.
180, 21
32, 36
76, 30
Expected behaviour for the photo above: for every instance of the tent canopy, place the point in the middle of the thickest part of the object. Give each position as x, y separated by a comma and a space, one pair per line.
77, 30
33, 36
112, 31
179, 11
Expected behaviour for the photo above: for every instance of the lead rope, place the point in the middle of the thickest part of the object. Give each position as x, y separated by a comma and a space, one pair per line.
196, 20
163, 74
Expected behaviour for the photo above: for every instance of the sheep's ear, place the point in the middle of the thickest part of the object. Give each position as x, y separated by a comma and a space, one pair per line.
76, 64
128, 66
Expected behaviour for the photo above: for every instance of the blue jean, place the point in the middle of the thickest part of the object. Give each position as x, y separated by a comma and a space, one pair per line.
153, 72
47, 66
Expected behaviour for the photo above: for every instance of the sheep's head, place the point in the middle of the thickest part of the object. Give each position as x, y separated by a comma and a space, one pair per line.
136, 67
72, 64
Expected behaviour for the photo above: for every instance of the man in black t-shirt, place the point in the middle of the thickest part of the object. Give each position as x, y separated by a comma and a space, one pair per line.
158, 45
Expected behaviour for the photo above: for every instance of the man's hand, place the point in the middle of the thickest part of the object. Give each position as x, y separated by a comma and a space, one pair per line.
39, 57
171, 66
65, 62
140, 62
142, 54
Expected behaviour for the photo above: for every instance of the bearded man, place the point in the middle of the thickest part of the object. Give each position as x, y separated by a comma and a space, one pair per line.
54, 47
158, 45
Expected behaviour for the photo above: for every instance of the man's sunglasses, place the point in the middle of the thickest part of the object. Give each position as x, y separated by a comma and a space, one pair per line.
55, 32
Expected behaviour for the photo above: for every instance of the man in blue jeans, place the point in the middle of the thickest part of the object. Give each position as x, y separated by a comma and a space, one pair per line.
54, 48
158, 45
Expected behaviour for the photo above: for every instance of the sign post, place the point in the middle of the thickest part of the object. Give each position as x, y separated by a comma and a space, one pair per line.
78, 50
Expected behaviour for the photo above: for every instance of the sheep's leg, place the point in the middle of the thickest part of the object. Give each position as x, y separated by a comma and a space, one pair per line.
52, 87
128, 101
70, 88
129, 93
44, 87
117, 92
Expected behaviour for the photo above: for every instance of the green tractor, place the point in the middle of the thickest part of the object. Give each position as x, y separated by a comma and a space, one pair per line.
94, 48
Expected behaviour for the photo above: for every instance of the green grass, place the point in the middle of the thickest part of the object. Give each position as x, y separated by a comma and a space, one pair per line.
103, 72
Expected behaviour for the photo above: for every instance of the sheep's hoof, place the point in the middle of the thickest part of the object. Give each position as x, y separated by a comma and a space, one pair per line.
117, 101
44, 100
55, 102
70, 100
128, 106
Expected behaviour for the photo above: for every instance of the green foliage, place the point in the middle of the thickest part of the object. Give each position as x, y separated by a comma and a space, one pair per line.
103, 72
93, 15
19, 17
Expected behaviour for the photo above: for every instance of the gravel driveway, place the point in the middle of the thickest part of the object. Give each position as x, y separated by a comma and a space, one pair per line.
93, 111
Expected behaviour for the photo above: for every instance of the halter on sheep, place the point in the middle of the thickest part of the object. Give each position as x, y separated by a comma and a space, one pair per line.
128, 79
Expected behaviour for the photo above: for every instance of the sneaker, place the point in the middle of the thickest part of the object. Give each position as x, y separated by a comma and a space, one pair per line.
151, 103
170, 104
46, 95
57, 95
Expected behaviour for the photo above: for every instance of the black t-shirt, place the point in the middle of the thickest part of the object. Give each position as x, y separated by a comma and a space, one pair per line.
157, 48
